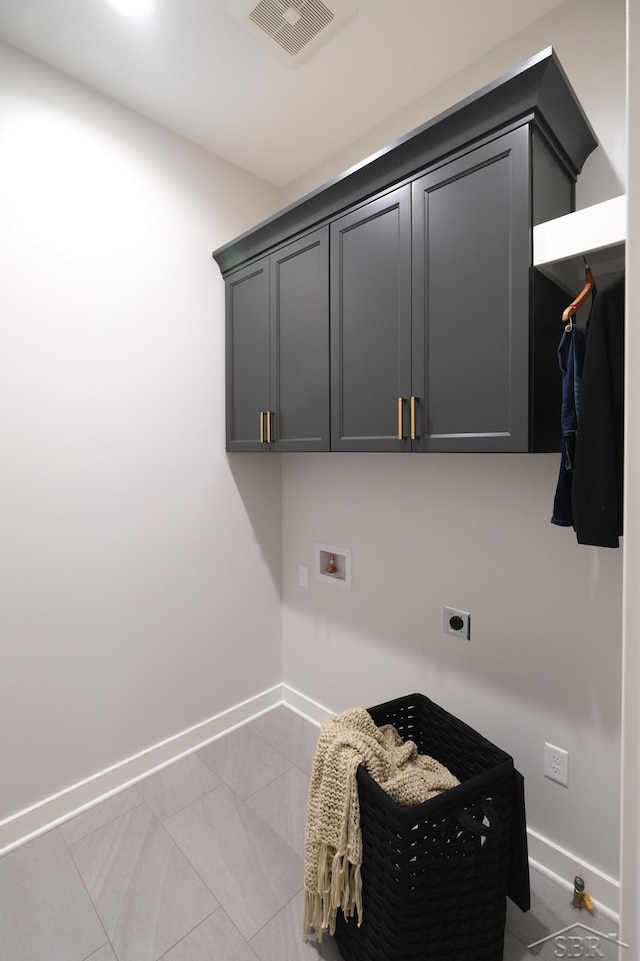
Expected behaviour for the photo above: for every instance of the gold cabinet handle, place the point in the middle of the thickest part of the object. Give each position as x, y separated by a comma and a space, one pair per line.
262, 427
414, 436
269, 415
400, 418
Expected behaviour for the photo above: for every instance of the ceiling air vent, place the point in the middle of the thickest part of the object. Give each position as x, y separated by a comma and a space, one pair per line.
292, 29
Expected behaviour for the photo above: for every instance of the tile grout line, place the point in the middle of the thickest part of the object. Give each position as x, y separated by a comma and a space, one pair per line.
271, 748
195, 927
268, 743
273, 917
241, 803
191, 864
294, 767
107, 944
162, 826
104, 825
195, 800
91, 901
284, 840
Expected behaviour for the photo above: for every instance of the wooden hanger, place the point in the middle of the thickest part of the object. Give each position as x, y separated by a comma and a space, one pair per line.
574, 306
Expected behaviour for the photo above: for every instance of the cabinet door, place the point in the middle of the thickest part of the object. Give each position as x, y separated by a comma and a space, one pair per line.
471, 301
371, 323
300, 344
247, 350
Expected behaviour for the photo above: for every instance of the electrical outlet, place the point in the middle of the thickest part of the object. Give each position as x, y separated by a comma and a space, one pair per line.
556, 764
457, 622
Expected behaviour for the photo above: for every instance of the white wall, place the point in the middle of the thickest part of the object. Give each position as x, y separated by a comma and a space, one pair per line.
473, 532
630, 847
129, 547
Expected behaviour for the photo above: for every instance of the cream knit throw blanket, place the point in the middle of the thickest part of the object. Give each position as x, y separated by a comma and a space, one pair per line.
333, 842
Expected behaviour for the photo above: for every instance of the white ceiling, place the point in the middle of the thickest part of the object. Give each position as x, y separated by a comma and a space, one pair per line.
192, 68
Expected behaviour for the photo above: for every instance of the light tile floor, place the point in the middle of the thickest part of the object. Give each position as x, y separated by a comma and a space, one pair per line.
202, 861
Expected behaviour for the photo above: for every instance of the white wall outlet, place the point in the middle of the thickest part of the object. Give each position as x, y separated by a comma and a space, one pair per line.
556, 764
457, 622
303, 576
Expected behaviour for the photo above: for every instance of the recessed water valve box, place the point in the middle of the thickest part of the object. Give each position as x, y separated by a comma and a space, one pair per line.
333, 565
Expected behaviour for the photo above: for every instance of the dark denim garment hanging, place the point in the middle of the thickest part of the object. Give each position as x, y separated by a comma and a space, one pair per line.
571, 360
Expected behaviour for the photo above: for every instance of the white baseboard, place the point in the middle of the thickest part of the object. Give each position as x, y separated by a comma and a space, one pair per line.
304, 705
562, 867
46, 814
545, 856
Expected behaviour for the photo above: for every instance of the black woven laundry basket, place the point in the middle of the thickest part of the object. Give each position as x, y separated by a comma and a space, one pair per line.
435, 877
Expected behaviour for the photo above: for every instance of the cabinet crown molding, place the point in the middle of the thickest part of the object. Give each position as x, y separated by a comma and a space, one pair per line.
536, 92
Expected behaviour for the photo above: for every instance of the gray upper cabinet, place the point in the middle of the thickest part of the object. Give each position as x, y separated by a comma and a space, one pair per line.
247, 354
371, 323
278, 350
485, 375
299, 284
471, 300
442, 335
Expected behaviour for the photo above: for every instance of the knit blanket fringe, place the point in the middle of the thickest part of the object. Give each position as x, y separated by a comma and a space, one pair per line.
333, 840
339, 886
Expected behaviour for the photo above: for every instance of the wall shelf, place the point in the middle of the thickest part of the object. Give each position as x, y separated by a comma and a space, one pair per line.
598, 232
